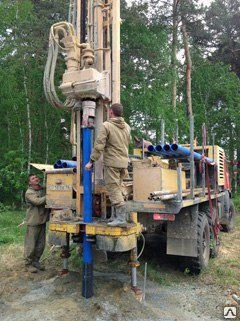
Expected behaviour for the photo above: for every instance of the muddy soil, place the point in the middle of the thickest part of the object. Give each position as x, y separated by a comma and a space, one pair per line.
50, 297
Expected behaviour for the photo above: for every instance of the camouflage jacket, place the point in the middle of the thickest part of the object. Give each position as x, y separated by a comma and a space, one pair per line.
113, 141
36, 214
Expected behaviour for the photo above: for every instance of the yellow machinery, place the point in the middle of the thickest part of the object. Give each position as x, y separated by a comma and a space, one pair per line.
90, 43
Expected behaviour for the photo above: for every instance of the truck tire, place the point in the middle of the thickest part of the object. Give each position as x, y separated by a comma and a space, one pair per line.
229, 226
203, 244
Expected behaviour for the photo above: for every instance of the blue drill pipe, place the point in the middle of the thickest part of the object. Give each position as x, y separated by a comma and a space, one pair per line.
62, 163
160, 149
157, 150
185, 152
175, 151
87, 281
69, 164
151, 148
167, 149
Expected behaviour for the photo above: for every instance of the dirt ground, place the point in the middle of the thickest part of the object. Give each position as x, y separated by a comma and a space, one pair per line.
50, 297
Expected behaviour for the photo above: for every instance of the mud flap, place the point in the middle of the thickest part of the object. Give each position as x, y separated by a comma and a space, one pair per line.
182, 233
116, 244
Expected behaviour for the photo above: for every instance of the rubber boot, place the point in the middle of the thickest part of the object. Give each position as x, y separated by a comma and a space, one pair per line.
38, 266
120, 219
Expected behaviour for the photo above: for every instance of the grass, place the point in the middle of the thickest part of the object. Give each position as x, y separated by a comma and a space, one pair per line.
224, 270
164, 275
236, 201
10, 232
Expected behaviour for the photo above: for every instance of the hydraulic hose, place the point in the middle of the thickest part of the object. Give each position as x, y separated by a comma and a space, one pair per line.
49, 72
143, 246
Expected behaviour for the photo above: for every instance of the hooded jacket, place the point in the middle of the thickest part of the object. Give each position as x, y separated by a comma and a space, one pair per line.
113, 141
37, 214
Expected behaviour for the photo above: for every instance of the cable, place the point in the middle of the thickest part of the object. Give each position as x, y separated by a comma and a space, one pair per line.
144, 242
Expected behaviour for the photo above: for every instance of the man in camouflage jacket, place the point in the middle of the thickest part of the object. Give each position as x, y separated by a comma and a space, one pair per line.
36, 218
113, 142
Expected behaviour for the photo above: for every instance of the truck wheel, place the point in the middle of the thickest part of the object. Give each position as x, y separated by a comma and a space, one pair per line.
203, 244
231, 216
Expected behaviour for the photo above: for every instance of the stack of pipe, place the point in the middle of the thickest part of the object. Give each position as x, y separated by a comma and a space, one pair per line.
62, 163
176, 151
168, 195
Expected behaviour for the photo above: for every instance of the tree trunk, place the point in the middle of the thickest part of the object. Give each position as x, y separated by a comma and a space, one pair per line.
22, 147
174, 52
28, 120
20, 129
188, 69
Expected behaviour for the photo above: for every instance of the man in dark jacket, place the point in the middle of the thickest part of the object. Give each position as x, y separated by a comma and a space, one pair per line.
113, 141
36, 218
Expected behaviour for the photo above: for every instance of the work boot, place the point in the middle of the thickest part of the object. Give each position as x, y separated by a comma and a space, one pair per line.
38, 266
120, 219
31, 269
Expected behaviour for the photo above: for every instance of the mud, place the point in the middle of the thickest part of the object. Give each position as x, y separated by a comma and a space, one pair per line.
50, 297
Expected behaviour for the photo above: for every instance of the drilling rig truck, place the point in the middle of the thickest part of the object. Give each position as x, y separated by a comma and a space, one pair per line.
182, 192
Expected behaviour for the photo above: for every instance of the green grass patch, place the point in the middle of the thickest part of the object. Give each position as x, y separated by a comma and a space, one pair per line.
10, 232
161, 275
236, 201
167, 273
237, 221
224, 270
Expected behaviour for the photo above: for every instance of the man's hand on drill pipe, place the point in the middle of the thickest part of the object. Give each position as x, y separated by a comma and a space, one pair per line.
89, 165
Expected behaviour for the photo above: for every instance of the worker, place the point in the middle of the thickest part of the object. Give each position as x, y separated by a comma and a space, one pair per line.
36, 218
113, 141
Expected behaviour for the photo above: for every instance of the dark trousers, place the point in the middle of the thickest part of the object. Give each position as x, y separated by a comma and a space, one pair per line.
34, 244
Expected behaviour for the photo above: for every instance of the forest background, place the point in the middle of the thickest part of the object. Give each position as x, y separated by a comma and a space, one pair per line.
153, 82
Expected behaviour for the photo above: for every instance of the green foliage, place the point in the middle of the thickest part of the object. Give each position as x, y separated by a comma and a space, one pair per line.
13, 177
236, 201
4, 208
10, 232
146, 73
24, 28
216, 102
146, 78
223, 23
